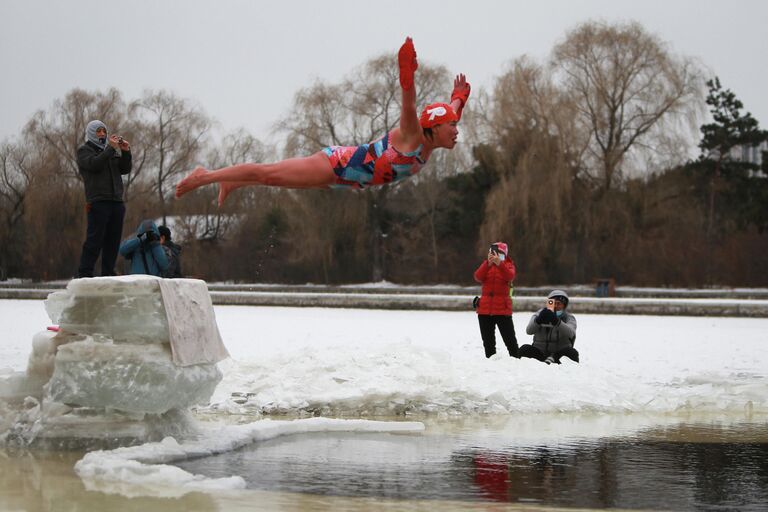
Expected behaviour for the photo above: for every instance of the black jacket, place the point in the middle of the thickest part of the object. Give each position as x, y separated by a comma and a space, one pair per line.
173, 253
101, 171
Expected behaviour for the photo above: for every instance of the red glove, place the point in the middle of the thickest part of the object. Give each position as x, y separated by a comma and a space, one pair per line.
406, 59
461, 90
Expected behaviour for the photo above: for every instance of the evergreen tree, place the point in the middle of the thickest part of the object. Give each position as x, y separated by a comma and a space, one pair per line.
736, 187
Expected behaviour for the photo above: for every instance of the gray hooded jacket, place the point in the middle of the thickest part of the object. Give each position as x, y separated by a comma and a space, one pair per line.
553, 338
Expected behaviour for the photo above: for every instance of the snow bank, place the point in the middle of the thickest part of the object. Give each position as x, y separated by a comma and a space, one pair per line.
345, 362
310, 361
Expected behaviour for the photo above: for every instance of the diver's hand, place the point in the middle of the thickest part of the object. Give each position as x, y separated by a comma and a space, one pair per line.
406, 59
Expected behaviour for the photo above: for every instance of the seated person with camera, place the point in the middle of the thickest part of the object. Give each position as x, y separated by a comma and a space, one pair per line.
145, 251
172, 252
554, 331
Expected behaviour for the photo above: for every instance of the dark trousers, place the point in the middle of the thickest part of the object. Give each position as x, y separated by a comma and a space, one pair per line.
488, 325
105, 228
535, 353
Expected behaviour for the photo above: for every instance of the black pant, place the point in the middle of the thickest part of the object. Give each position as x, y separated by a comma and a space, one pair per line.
535, 353
488, 325
105, 228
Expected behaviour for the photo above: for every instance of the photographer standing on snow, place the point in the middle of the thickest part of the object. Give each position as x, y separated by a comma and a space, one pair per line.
494, 306
144, 250
102, 161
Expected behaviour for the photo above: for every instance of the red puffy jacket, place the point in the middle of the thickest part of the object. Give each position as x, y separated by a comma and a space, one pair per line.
495, 299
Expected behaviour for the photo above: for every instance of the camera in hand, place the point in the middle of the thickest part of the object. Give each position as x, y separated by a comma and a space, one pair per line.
149, 236
546, 316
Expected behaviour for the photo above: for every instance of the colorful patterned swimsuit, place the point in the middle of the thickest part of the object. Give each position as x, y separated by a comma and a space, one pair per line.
375, 163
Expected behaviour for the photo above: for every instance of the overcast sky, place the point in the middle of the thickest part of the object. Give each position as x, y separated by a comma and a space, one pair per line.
242, 61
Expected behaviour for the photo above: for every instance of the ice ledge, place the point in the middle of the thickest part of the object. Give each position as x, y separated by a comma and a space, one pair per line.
144, 470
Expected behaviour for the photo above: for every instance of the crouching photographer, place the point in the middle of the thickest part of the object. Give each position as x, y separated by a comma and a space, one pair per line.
144, 250
554, 331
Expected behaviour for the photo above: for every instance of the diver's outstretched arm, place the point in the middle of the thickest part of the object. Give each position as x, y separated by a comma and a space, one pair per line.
410, 130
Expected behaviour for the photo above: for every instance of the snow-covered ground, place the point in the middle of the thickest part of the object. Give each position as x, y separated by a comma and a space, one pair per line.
356, 362
372, 363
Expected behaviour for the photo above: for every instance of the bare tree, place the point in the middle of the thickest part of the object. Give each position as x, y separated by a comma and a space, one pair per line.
15, 180
174, 135
16, 177
532, 145
237, 147
627, 86
417, 204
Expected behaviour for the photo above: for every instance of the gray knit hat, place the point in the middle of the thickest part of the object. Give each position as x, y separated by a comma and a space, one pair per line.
90, 133
559, 295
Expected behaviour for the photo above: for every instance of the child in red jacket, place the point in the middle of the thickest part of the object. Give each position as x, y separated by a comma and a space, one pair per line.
494, 308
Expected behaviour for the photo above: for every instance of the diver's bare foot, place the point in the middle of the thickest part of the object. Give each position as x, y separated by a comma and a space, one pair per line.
224, 189
195, 179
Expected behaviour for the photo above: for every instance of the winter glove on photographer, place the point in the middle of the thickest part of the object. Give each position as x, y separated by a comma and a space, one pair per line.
546, 316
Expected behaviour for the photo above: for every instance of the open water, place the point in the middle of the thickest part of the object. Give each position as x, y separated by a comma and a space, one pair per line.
666, 464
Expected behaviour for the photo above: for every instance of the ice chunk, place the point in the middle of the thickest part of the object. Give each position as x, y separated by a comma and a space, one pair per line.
113, 361
126, 309
18, 385
118, 376
114, 347
142, 310
41, 360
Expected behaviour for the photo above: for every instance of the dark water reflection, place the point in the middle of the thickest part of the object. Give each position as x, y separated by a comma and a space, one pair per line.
626, 474
679, 468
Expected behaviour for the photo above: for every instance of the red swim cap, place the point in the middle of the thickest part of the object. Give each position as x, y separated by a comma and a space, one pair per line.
437, 113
